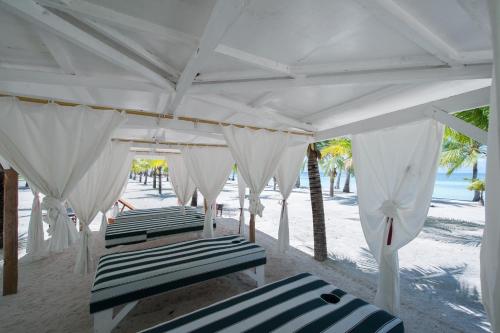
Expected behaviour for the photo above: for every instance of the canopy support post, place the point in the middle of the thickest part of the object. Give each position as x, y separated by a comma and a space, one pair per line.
251, 232
10, 240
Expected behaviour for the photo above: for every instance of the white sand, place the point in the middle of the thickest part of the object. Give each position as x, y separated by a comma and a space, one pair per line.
439, 280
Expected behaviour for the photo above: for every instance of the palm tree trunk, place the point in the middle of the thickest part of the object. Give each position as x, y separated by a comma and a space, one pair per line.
194, 198
347, 188
130, 175
166, 173
232, 178
297, 183
135, 176
274, 183
337, 185
318, 214
145, 177
332, 182
477, 195
159, 179
154, 178
140, 177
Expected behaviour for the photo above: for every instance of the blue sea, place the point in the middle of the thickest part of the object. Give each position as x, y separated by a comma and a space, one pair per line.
446, 187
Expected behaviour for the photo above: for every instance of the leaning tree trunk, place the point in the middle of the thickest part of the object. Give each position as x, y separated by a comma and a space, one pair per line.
337, 184
159, 179
194, 198
154, 178
1, 207
332, 182
318, 214
347, 187
145, 177
477, 194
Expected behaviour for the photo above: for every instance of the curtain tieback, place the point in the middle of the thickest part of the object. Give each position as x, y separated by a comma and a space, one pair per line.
255, 207
390, 209
54, 208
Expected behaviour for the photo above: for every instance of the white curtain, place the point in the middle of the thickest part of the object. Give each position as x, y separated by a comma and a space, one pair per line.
182, 184
257, 153
53, 146
96, 191
490, 248
35, 245
395, 175
286, 175
242, 188
209, 168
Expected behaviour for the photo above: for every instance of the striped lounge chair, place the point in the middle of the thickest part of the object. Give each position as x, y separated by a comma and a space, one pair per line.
126, 277
141, 225
302, 303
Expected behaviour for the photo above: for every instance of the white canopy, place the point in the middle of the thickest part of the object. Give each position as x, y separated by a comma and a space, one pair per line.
182, 184
286, 175
97, 190
53, 146
395, 175
209, 168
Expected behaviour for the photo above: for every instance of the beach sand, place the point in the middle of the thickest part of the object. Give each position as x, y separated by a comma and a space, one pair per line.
439, 269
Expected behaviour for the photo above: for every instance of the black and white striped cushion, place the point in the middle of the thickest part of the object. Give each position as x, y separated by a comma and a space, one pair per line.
128, 276
295, 304
149, 223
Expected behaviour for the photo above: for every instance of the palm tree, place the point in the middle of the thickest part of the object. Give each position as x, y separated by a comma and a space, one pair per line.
349, 169
318, 213
334, 154
461, 151
136, 167
478, 186
234, 170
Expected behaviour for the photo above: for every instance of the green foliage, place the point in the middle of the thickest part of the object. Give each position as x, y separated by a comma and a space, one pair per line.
460, 150
336, 154
477, 185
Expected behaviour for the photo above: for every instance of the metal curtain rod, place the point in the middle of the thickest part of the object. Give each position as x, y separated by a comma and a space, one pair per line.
149, 114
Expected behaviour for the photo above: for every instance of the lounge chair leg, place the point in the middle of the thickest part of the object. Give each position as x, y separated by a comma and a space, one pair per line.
104, 321
260, 276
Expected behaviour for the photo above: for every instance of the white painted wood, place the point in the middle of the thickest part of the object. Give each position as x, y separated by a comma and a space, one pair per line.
393, 76
223, 15
459, 125
256, 60
356, 102
478, 11
133, 46
457, 103
265, 112
107, 81
163, 100
69, 29
117, 18
139, 122
4, 163
401, 20
63, 59
104, 321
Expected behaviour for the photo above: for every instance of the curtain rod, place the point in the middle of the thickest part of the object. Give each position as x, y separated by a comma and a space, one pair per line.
169, 143
149, 114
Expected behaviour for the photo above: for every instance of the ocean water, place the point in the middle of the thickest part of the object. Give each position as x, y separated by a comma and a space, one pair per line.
446, 187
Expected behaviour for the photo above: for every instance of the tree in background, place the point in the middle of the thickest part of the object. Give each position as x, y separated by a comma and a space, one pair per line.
234, 171
334, 155
461, 151
478, 186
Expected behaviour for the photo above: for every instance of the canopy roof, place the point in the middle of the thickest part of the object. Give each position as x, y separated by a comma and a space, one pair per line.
327, 67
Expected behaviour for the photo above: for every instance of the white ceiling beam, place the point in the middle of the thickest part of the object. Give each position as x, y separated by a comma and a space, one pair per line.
391, 76
354, 103
402, 21
133, 46
122, 20
79, 35
478, 12
264, 112
223, 15
452, 104
258, 61
63, 59
106, 82
459, 125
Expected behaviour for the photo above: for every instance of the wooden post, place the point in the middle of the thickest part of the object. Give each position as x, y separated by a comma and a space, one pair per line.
252, 228
1, 207
10, 232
